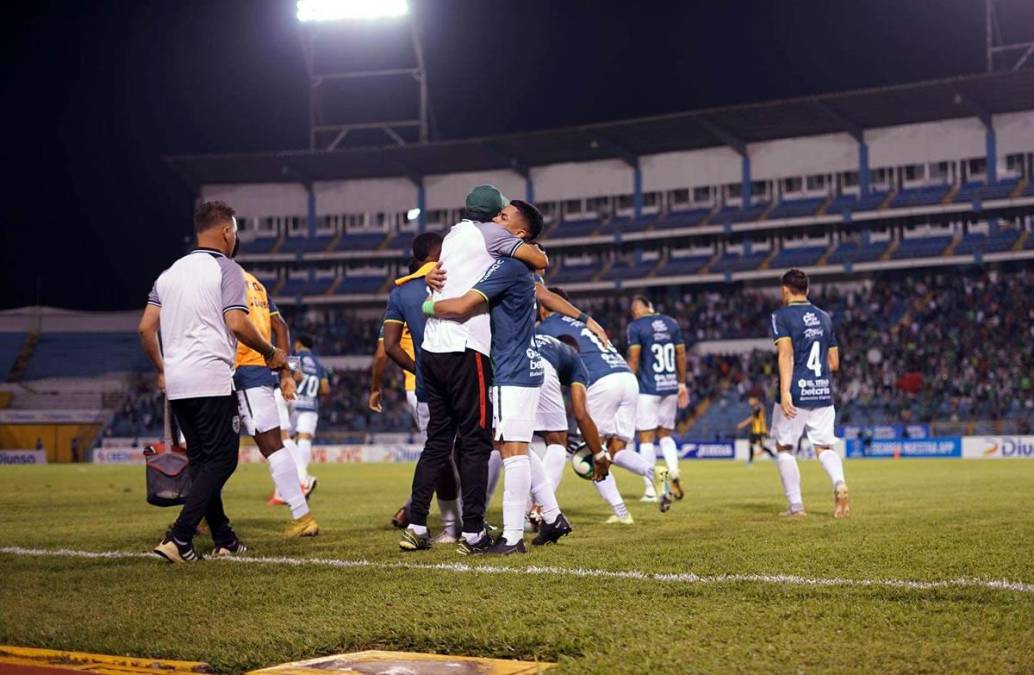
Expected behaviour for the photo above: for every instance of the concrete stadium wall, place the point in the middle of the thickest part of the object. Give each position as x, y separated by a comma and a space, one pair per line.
448, 191
258, 201
373, 195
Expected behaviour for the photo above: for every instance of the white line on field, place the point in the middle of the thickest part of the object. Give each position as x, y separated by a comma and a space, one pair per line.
463, 568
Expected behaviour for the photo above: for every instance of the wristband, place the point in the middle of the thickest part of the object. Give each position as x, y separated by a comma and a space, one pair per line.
428, 307
601, 455
268, 355
584, 318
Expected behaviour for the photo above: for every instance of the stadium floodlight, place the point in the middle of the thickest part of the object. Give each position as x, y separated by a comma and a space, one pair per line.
412, 214
350, 10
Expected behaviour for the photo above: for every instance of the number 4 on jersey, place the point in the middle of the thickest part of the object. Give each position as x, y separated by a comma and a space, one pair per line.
813, 363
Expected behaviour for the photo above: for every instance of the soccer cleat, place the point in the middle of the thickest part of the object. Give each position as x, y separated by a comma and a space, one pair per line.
411, 541
444, 538
309, 487
620, 520
842, 508
551, 532
477, 548
663, 487
500, 547
795, 511
275, 500
235, 549
175, 552
306, 526
400, 520
649, 499
676, 487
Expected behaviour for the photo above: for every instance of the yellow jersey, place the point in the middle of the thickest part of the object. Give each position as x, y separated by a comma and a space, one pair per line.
758, 426
260, 311
406, 342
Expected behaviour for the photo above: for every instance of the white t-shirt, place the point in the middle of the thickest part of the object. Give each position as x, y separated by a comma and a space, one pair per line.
468, 250
198, 348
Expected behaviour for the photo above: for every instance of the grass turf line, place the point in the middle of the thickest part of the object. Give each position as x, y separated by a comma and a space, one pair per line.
933, 520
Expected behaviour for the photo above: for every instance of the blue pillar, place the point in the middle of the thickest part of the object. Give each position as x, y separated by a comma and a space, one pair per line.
748, 249
421, 203
312, 210
745, 186
992, 155
863, 168
529, 189
637, 191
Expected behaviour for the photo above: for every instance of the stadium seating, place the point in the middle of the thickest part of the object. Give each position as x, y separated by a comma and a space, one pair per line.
622, 269
295, 287
576, 228
849, 203
749, 214
259, 245
567, 274
796, 208
403, 241
361, 241
363, 284
306, 244
973, 242
733, 262
625, 224
921, 247
682, 266
10, 347
921, 196
853, 252
680, 219
798, 257
85, 355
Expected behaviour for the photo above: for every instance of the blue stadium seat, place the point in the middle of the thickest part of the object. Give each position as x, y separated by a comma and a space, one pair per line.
294, 287
306, 244
403, 241
733, 262
796, 208
1003, 240
567, 274
922, 247
798, 257
85, 355
682, 266
855, 253
10, 346
922, 196
622, 270
625, 224
260, 245
968, 192
1000, 190
869, 202
364, 241
720, 419
749, 214
576, 228
679, 219
359, 285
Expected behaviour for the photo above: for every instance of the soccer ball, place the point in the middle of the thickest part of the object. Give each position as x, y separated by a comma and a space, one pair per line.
581, 462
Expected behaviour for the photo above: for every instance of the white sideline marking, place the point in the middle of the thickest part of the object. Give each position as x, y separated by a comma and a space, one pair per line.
463, 568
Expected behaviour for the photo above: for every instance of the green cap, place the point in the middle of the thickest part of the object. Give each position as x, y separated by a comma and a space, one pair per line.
486, 200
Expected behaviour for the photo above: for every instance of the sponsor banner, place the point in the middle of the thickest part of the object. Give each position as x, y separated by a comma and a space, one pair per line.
998, 447
52, 416
13, 457
129, 441
887, 432
931, 447
122, 455
350, 454
707, 450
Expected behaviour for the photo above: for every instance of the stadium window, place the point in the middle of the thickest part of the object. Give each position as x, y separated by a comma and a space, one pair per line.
793, 184
294, 224
624, 202
816, 182
939, 171
573, 206
849, 179
977, 165
600, 205
702, 195
759, 188
651, 198
733, 190
549, 208
678, 197
914, 172
1014, 163
881, 176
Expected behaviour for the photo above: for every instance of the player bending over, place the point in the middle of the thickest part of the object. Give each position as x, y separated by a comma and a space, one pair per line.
612, 396
312, 382
256, 402
808, 357
657, 355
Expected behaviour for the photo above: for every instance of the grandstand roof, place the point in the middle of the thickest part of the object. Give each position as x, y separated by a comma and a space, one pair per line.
850, 112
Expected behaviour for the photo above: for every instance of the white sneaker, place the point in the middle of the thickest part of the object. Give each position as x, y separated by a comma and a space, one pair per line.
650, 499
445, 538
615, 520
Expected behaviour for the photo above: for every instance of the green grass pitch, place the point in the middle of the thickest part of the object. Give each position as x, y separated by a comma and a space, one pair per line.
912, 520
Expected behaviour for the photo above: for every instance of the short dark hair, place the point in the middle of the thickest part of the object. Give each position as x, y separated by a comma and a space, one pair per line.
425, 244
796, 280
643, 299
212, 214
305, 339
561, 292
531, 214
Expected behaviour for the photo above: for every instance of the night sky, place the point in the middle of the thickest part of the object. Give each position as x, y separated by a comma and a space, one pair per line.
95, 93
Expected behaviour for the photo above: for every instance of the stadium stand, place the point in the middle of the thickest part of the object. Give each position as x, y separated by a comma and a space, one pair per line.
85, 355
10, 347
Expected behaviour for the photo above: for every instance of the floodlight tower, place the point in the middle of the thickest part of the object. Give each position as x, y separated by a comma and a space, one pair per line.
1012, 54
367, 82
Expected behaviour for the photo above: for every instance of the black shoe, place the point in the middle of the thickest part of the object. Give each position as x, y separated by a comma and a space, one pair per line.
550, 533
500, 547
477, 548
411, 541
230, 550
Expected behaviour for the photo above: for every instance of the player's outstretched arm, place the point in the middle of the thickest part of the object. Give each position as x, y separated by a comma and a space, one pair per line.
834, 359
633, 357
237, 321
558, 304
785, 347
380, 359
680, 368
393, 347
457, 309
148, 330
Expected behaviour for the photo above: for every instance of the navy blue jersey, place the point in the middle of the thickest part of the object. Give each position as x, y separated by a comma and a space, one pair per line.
510, 293
313, 372
657, 335
810, 332
405, 304
600, 360
565, 361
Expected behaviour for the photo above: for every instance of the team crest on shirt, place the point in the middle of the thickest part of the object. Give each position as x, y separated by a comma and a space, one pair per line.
236, 424
811, 320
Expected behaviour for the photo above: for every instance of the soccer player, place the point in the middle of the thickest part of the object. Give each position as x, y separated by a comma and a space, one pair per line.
312, 382
255, 383
758, 428
508, 291
808, 357
657, 355
612, 396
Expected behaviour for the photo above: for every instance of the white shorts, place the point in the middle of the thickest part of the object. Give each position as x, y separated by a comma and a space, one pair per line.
551, 414
612, 403
282, 409
513, 412
656, 412
305, 421
258, 411
421, 414
818, 422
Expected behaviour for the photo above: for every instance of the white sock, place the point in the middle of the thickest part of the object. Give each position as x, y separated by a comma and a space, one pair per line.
292, 448
450, 510
495, 463
630, 459
542, 489
517, 470
790, 475
304, 455
608, 489
554, 460
471, 537
649, 455
833, 465
671, 455
420, 530
282, 468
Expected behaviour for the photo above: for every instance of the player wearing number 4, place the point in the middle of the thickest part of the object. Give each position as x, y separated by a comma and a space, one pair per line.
657, 355
808, 357
312, 383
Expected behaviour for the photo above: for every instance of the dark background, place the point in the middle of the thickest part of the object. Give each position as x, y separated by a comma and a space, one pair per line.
95, 93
